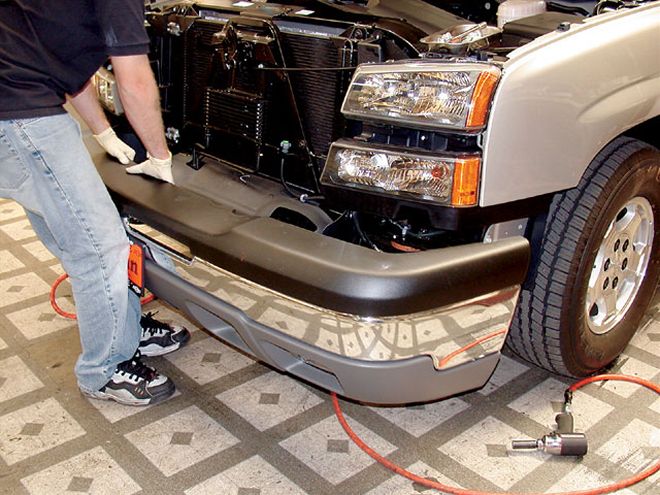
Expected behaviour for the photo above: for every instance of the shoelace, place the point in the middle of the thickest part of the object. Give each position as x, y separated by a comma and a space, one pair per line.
136, 368
152, 326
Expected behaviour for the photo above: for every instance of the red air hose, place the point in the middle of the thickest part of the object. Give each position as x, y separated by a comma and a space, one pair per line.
459, 491
72, 316
436, 484
480, 340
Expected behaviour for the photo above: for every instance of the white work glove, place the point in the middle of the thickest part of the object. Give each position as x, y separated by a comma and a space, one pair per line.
115, 146
155, 167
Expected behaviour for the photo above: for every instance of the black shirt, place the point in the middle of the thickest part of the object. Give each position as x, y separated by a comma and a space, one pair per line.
51, 48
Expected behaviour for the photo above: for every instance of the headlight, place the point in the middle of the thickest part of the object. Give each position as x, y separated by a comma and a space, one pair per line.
106, 91
423, 95
451, 180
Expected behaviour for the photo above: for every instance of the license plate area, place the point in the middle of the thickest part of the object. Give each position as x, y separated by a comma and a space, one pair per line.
136, 269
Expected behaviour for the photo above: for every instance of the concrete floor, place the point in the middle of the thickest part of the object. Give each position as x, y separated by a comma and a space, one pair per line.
238, 427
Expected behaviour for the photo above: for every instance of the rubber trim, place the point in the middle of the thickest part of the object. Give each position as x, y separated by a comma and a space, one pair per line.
313, 268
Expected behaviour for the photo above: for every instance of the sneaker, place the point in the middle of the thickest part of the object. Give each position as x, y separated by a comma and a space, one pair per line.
135, 384
159, 338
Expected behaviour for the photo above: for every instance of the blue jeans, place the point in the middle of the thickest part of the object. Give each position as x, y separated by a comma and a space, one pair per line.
45, 167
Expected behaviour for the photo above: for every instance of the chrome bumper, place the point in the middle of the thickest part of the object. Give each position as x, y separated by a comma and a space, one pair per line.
400, 359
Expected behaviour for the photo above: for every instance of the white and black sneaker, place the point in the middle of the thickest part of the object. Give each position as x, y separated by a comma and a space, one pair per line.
160, 338
135, 384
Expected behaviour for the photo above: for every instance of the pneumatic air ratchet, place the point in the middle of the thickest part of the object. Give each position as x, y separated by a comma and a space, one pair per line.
564, 440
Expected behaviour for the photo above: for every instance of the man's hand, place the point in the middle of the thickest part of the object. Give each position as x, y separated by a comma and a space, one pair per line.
154, 167
115, 146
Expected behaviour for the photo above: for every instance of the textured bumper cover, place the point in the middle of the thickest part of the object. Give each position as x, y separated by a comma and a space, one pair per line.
305, 265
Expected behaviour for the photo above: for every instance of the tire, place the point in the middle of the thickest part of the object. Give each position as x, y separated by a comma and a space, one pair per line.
585, 297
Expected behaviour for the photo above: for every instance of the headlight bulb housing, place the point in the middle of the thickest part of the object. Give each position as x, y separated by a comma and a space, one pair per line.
106, 90
448, 179
424, 95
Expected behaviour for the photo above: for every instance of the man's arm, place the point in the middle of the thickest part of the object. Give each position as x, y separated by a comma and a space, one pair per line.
88, 107
141, 101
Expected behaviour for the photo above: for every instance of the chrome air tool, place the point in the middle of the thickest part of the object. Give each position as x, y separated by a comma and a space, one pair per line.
564, 440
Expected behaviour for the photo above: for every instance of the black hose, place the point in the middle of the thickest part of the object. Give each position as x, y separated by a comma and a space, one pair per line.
361, 233
567, 9
300, 196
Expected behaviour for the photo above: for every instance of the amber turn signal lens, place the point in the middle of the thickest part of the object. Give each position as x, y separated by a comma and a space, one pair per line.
465, 187
483, 92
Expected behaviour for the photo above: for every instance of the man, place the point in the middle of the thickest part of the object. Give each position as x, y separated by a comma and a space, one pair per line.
48, 52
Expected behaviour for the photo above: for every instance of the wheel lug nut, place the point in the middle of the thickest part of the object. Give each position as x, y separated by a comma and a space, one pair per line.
606, 284
625, 245
617, 244
607, 264
615, 282
624, 264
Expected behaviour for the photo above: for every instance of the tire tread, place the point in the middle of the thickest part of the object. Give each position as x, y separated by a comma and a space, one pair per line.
535, 328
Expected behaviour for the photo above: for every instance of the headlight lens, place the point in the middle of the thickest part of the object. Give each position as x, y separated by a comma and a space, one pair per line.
423, 95
106, 91
447, 180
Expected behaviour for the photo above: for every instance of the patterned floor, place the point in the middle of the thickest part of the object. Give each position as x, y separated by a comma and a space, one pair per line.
237, 427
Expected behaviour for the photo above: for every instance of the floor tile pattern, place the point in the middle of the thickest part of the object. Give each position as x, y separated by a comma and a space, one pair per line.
238, 427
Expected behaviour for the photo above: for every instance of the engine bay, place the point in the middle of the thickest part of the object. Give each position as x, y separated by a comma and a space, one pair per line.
256, 89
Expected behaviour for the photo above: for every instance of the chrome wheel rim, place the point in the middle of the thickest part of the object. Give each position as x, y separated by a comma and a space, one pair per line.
620, 265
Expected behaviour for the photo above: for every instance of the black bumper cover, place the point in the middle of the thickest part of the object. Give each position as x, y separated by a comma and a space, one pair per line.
311, 267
